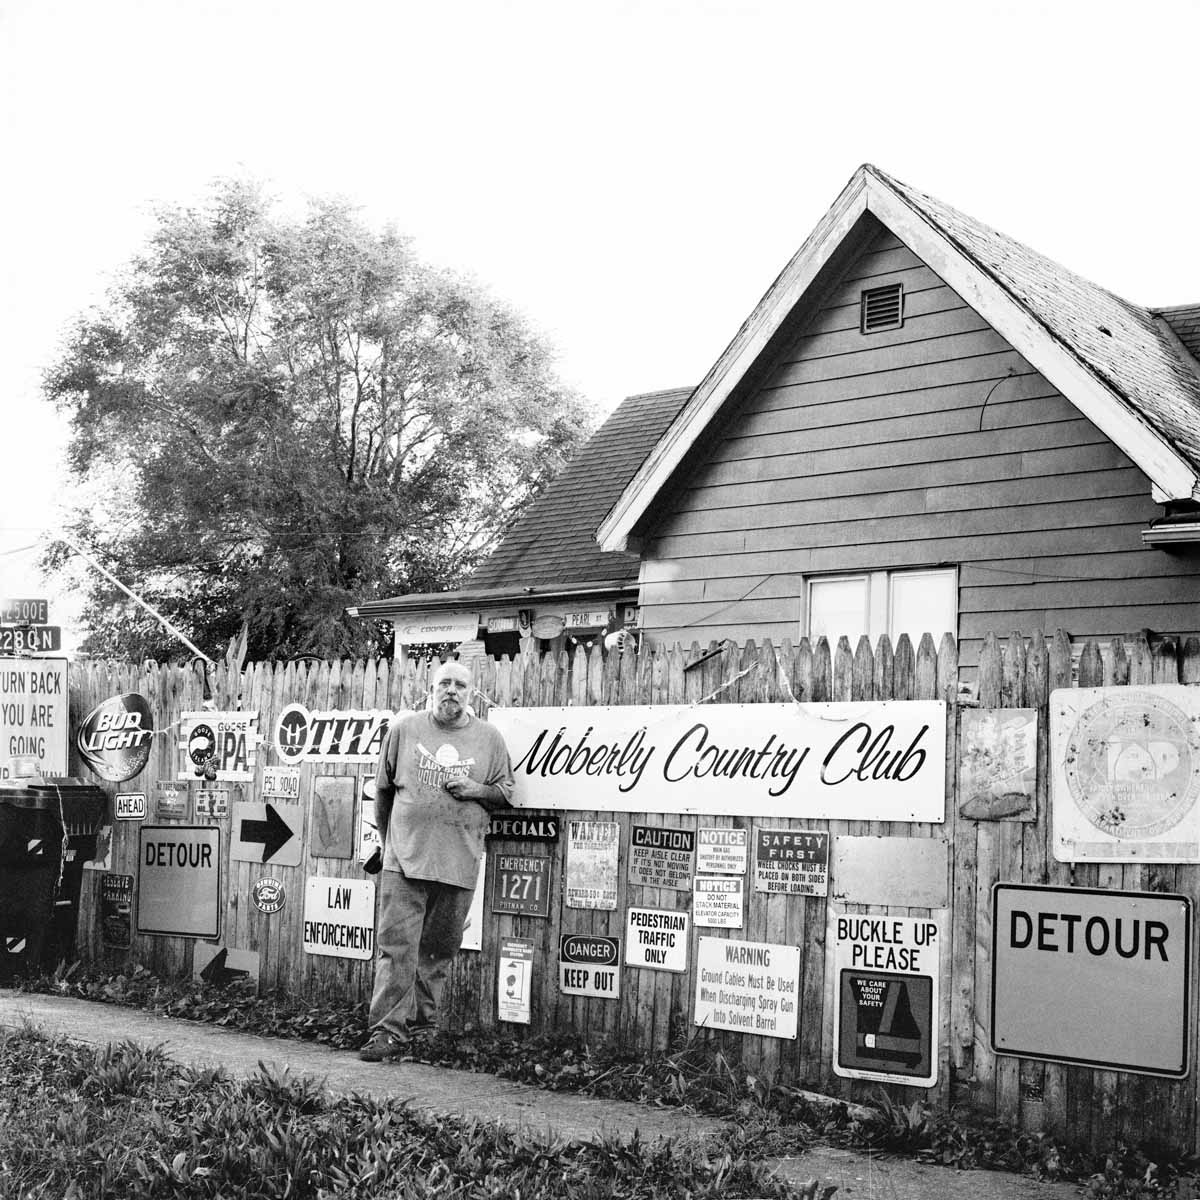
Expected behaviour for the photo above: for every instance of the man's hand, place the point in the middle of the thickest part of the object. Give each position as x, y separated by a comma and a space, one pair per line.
485, 794
468, 789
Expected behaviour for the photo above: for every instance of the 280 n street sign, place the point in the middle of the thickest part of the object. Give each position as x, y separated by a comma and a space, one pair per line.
30, 639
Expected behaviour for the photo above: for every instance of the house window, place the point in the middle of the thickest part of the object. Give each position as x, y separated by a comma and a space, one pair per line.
879, 602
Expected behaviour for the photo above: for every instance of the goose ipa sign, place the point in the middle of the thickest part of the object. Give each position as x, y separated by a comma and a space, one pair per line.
879, 761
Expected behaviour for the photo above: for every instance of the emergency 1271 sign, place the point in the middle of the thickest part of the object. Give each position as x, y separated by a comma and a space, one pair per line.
886, 996
1092, 976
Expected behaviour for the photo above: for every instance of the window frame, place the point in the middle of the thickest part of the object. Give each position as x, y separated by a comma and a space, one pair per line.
879, 605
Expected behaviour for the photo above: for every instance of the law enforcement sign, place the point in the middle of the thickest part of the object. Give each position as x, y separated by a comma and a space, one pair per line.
1119, 961
339, 917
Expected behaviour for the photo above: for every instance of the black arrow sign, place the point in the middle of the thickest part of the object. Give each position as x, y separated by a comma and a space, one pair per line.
274, 833
215, 971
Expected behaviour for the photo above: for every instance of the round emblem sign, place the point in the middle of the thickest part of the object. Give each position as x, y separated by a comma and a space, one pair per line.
115, 737
1131, 765
267, 895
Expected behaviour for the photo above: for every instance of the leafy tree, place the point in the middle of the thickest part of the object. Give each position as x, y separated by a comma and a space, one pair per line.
289, 416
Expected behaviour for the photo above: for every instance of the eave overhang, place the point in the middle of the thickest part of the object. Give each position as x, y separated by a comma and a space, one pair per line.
625, 590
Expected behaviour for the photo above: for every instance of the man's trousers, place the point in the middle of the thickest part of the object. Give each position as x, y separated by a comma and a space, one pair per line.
420, 930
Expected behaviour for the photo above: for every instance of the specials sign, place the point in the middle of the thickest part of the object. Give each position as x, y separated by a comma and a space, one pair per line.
881, 761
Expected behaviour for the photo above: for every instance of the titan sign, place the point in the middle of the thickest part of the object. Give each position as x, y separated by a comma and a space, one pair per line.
331, 735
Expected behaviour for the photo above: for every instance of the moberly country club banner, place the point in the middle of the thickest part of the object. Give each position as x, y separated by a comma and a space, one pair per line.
882, 761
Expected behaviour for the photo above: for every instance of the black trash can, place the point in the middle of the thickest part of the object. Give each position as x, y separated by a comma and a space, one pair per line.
79, 808
31, 850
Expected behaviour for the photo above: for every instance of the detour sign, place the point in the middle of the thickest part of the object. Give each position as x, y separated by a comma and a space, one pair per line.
1091, 976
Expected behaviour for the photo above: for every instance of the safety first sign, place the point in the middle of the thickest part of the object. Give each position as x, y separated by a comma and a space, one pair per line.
886, 996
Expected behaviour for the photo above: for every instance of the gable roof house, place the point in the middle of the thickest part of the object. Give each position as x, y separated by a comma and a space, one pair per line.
922, 426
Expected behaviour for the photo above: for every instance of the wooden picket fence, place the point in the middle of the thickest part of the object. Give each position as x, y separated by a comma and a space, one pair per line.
655, 1008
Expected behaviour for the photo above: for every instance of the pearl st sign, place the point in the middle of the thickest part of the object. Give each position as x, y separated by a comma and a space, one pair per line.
879, 761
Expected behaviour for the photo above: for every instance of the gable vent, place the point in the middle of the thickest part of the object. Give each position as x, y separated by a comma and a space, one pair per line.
882, 308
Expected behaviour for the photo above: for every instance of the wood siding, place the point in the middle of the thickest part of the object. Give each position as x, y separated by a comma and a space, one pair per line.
935, 444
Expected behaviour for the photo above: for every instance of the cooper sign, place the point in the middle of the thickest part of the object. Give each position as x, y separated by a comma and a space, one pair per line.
882, 761
351, 736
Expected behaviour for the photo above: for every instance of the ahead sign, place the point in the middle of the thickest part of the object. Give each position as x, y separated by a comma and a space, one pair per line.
1092, 977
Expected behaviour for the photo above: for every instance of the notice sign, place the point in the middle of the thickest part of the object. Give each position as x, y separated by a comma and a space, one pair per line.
180, 881
723, 852
1125, 774
662, 857
717, 901
886, 997
521, 885
589, 965
791, 860
33, 715
749, 987
1092, 977
656, 939
514, 980
592, 854
116, 910
339, 917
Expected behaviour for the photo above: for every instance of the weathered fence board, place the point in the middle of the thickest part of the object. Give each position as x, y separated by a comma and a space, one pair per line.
655, 1009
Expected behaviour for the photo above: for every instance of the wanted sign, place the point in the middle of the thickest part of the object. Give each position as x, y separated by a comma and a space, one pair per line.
589, 965
656, 939
592, 854
791, 860
661, 857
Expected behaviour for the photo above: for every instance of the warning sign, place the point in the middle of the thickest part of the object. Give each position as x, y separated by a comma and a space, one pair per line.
33, 715
589, 965
749, 987
791, 860
180, 880
886, 997
1121, 960
339, 917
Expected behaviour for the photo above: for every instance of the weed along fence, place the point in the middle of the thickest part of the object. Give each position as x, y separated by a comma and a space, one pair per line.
838, 866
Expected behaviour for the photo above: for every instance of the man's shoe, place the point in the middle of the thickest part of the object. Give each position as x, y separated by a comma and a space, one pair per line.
423, 1031
383, 1046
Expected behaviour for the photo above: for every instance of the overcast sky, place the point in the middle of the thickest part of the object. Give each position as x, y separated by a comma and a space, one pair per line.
632, 176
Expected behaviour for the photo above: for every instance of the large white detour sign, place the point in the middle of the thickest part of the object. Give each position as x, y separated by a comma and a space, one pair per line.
1091, 976
882, 761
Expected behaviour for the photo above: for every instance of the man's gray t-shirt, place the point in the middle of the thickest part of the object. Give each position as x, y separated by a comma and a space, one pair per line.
431, 835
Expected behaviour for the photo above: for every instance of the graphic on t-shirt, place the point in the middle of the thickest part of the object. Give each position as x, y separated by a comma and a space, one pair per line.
435, 769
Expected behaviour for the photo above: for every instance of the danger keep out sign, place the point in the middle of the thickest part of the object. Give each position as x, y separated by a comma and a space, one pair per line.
1091, 976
